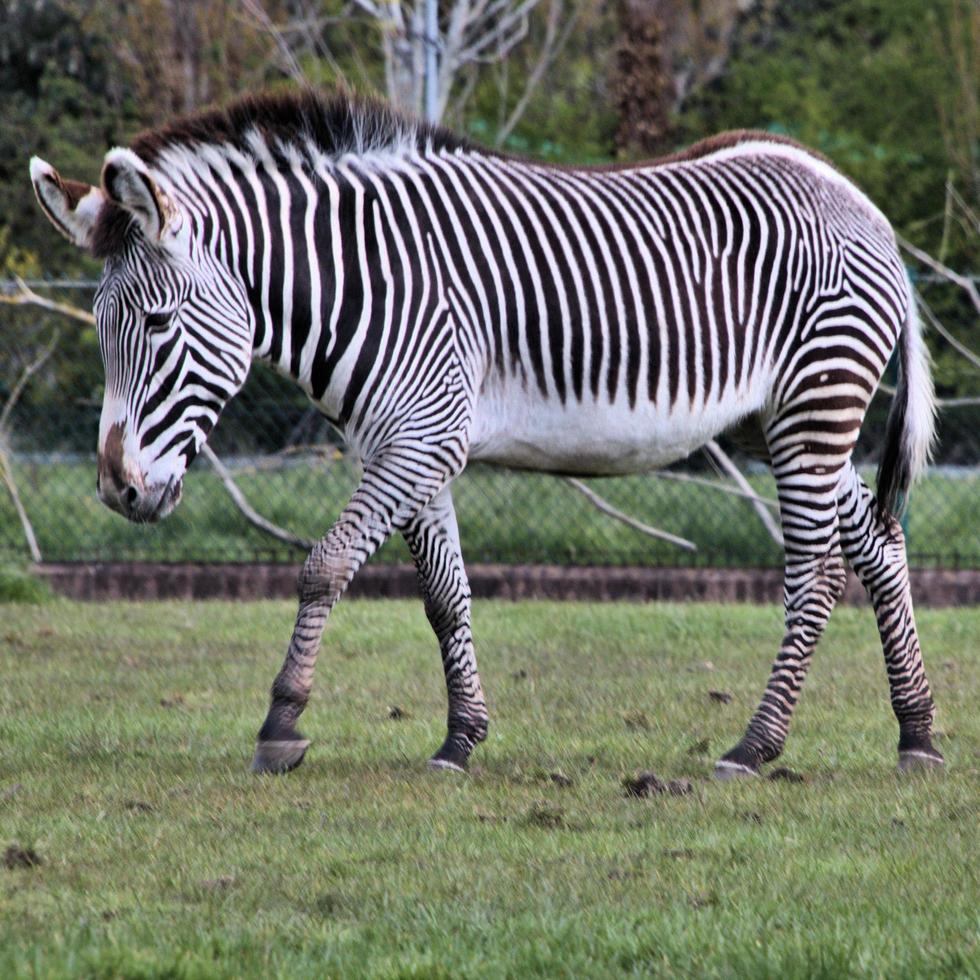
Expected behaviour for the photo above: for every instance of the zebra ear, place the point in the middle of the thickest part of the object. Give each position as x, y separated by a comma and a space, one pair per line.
71, 206
127, 182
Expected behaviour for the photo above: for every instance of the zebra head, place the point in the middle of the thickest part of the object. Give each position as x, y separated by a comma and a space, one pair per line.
175, 329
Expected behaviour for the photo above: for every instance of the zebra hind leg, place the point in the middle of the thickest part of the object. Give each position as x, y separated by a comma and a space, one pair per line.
875, 547
433, 539
814, 579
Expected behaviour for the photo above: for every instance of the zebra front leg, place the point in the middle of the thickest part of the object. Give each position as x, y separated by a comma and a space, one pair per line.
367, 521
814, 580
433, 538
875, 547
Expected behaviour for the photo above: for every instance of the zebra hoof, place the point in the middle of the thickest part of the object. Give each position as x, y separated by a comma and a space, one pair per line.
436, 764
920, 760
279, 756
726, 771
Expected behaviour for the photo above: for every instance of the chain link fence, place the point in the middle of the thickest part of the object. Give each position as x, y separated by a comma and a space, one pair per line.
293, 470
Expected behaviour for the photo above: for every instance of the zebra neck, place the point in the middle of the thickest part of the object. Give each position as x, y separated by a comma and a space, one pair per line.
338, 275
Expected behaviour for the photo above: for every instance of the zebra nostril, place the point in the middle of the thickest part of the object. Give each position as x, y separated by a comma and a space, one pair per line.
130, 495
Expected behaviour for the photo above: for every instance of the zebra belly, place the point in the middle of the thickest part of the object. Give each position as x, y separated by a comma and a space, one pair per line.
593, 438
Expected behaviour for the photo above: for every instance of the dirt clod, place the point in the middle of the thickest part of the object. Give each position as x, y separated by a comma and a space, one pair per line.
782, 774
545, 816
722, 697
560, 779
20, 857
219, 884
645, 784
177, 701
138, 806
397, 714
637, 721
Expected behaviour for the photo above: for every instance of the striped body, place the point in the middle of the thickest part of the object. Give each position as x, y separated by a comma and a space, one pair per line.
440, 303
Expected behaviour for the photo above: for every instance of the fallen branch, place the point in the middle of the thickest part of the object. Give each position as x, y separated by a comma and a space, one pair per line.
251, 515
725, 462
714, 485
606, 508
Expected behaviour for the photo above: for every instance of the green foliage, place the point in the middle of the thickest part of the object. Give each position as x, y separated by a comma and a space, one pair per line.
18, 585
126, 729
855, 79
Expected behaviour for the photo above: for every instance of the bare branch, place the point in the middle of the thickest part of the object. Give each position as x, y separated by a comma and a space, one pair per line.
7, 475
725, 462
26, 296
715, 485
937, 325
264, 21
965, 283
554, 42
247, 511
29, 371
6, 469
606, 508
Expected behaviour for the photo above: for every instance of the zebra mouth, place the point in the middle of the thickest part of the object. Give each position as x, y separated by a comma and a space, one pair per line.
154, 510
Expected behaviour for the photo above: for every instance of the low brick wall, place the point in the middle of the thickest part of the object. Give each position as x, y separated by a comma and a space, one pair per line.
125, 580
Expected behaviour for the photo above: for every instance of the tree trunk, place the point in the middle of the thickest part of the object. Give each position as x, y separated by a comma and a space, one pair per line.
643, 88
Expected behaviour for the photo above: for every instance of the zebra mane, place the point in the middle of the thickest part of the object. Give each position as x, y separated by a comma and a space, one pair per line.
283, 124
330, 125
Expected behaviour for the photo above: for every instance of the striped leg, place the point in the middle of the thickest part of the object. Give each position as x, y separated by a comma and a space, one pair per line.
875, 547
433, 538
389, 498
813, 581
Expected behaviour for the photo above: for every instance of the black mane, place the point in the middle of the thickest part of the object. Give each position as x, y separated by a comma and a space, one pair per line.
333, 124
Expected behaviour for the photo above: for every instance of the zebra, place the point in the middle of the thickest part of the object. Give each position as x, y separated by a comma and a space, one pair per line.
439, 303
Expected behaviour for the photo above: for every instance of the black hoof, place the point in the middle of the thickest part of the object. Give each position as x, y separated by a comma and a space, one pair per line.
279, 755
454, 754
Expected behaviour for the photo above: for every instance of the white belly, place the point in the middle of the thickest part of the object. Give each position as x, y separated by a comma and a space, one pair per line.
514, 427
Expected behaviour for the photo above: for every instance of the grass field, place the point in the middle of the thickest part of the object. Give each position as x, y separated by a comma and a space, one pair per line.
125, 733
503, 517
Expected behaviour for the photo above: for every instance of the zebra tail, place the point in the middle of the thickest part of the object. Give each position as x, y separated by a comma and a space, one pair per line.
911, 427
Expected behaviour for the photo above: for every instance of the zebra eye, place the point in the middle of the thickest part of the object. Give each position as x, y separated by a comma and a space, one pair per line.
156, 322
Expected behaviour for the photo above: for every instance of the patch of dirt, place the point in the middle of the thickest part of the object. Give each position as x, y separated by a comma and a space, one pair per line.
10, 792
560, 779
545, 816
177, 701
519, 675
138, 806
219, 884
397, 714
703, 900
782, 774
21, 857
722, 697
680, 853
637, 721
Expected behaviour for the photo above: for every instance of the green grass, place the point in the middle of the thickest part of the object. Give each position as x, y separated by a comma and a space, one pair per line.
126, 730
503, 516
